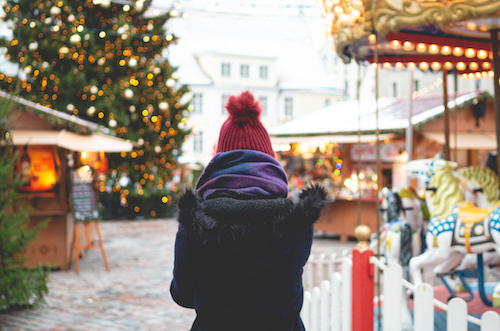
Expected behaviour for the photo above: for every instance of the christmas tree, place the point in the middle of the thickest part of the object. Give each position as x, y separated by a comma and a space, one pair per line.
102, 60
19, 287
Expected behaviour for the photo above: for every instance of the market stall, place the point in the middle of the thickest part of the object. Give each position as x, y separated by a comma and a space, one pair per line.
51, 146
324, 146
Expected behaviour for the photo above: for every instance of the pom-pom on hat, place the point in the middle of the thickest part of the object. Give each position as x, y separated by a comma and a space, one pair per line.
243, 129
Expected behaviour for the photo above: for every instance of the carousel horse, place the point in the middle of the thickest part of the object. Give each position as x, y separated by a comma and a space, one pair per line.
399, 238
456, 228
402, 223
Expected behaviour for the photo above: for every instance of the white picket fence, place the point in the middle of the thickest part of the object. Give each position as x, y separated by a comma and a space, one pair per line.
327, 301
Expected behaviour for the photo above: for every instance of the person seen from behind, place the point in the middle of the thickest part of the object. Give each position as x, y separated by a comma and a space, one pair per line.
241, 244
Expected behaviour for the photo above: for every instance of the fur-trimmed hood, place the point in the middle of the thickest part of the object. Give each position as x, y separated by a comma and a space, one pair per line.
228, 220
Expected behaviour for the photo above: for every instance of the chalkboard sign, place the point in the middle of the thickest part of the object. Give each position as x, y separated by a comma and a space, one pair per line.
83, 196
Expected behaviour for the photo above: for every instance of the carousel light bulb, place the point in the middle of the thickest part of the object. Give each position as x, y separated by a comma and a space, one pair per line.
470, 53
471, 75
421, 47
471, 25
387, 65
372, 39
446, 50
436, 65
399, 65
486, 65
478, 75
448, 65
407, 46
411, 65
482, 54
491, 73
461, 66
423, 65
484, 74
374, 65
473, 66
433, 49
465, 76
458, 51
395, 43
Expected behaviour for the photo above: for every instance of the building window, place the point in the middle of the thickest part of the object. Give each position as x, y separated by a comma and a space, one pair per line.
263, 72
289, 107
394, 89
198, 142
244, 71
263, 104
197, 103
225, 69
224, 101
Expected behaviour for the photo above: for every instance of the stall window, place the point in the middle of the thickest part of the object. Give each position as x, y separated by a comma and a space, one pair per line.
38, 168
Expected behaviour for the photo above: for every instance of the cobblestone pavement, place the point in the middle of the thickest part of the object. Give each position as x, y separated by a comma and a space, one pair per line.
133, 295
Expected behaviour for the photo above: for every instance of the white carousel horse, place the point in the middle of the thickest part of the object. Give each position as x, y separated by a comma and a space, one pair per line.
403, 222
456, 228
399, 238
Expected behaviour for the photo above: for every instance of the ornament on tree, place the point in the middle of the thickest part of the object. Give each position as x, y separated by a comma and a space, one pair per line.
156, 71
101, 61
91, 111
54, 11
33, 46
157, 149
128, 94
132, 63
94, 89
75, 39
112, 123
163, 105
132, 109
70, 107
71, 18
63, 50
170, 82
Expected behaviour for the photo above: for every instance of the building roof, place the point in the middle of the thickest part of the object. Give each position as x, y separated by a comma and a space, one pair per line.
295, 44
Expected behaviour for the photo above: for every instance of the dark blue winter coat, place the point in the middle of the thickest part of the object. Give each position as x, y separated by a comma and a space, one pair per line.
239, 263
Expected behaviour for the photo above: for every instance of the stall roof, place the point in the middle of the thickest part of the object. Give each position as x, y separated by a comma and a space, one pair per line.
34, 124
340, 119
95, 142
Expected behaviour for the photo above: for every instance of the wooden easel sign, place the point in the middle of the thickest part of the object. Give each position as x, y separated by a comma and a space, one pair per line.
84, 207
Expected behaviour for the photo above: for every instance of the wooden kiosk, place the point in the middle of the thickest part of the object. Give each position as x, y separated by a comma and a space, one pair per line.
49, 142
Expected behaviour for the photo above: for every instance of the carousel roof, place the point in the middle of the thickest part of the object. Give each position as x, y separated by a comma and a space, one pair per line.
452, 34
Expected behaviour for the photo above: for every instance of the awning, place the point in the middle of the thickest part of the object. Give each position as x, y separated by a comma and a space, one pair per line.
340, 139
466, 140
95, 142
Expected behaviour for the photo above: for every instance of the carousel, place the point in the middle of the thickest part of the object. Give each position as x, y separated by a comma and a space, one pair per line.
459, 38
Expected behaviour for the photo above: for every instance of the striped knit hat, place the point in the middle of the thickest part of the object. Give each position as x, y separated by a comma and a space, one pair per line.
243, 129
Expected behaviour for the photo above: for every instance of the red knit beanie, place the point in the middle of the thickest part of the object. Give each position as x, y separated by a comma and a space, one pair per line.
243, 129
